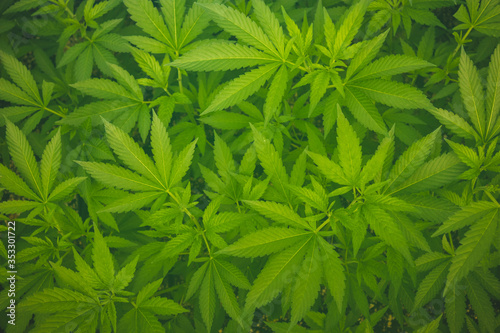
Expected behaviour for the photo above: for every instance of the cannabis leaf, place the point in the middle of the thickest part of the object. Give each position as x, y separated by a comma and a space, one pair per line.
149, 179
38, 180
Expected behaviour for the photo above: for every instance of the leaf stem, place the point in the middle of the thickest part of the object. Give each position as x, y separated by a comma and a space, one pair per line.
54, 112
323, 224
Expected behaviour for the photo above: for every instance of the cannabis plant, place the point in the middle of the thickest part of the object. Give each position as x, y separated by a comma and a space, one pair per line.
261, 166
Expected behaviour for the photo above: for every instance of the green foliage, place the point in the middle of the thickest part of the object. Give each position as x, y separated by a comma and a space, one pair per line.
288, 166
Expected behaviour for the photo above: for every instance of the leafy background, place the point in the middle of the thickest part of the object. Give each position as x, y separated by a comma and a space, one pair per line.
287, 166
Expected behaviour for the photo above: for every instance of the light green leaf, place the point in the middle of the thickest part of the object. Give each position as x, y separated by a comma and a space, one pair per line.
207, 298
240, 88
473, 247
84, 64
196, 280
391, 65
88, 274
162, 150
226, 120
219, 55
173, 11
49, 165
65, 188
330, 169
472, 92
131, 202
466, 216
271, 162
411, 159
318, 89
126, 80
307, 284
149, 19
270, 24
56, 300
23, 157
316, 198
223, 158
481, 304
237, 24
232, 274
493, 90
182, 163
11, 93
349, 148
375, 164
125, 275
264, 242
118, 177
15, 184
364, 110
349, 26
226, 295
102, 259
130, 153
17, 206
455, 307
365, 55
454, 123
431, 285
20, 75
148, 44
385, 227
278, 212
148, 291
276, 93
72, 53
393, 93
162, 306
194, 24
270, 280
103, 89
438, 172
138, 320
